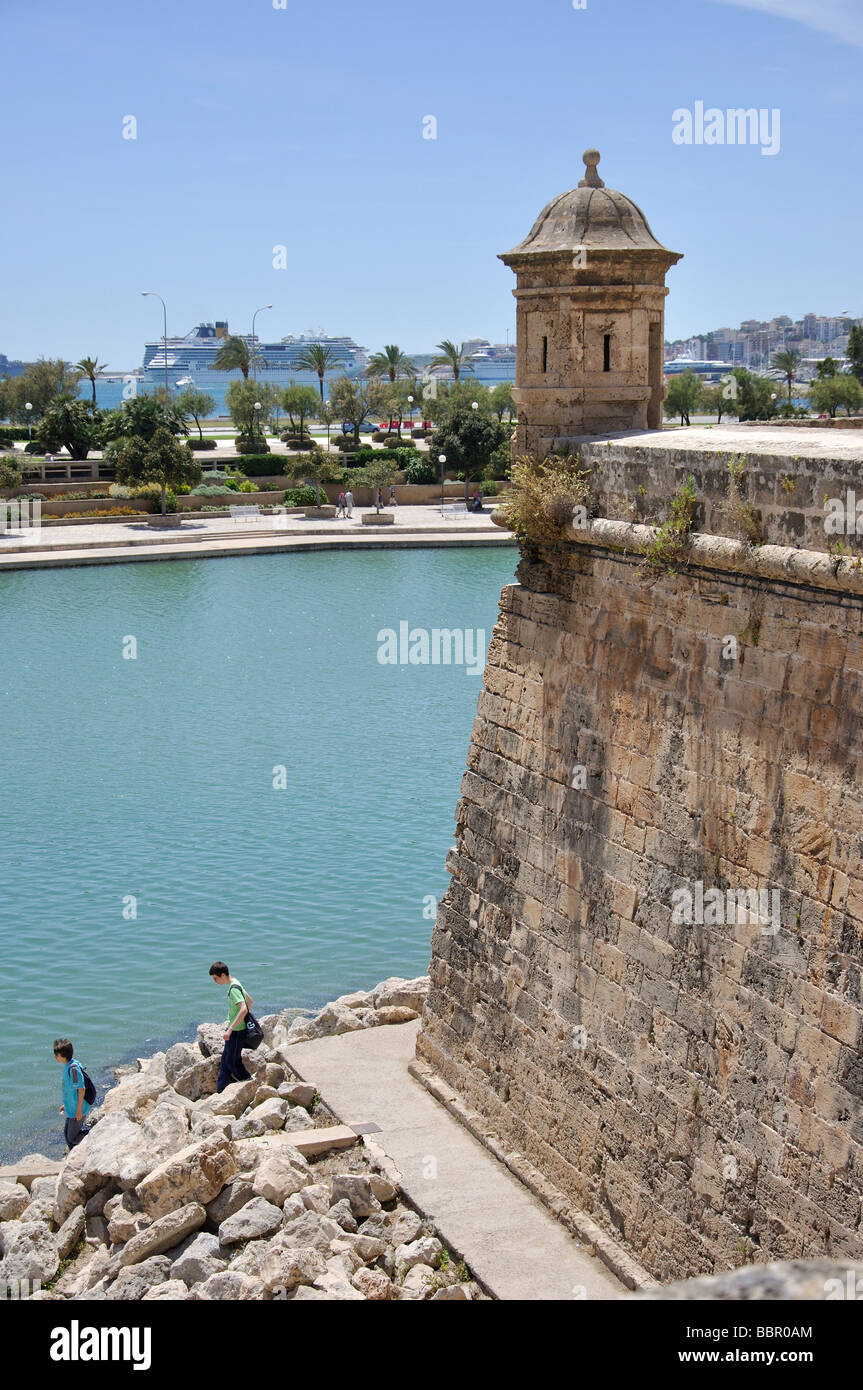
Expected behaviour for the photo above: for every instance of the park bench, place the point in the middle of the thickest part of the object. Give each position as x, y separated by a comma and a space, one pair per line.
453, 509
245, 514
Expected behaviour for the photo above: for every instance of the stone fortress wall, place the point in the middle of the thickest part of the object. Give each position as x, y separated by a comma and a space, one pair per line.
693, 1085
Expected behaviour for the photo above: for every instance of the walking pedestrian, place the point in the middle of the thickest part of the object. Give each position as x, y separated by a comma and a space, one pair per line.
393, 502
239, 1004
349, 502
75, 1104
340, 510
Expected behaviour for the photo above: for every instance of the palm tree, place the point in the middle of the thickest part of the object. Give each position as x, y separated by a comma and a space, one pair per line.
787, 361
451, 356
317, 358
92, 367
233, 354
392, 362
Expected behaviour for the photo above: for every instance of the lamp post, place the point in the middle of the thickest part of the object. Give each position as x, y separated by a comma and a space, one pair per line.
441, 458
411, 413
252, 343
145, 293
258, 423
474, 405
28, 406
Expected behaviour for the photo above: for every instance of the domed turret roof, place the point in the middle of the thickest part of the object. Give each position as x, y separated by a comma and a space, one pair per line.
590, 216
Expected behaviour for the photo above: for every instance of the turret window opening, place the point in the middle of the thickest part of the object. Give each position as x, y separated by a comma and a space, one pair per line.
606, 353
545, 354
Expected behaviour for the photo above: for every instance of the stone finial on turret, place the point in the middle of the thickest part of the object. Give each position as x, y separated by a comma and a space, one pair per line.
591, 178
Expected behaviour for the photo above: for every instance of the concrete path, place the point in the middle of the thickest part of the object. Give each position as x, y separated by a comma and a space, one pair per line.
50, 547
484, 1214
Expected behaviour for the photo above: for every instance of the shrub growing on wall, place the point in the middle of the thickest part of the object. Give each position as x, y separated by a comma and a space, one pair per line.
543, 497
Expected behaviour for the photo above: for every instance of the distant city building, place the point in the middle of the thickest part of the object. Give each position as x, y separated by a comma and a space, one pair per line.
752, 345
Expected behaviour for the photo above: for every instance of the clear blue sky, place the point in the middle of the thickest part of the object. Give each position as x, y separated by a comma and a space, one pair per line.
303, 127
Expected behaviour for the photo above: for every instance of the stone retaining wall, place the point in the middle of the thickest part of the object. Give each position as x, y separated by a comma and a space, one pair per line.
694, 1087
787, 491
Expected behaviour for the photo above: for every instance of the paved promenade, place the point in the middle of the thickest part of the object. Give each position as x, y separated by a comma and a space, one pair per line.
55, 546
484, 1215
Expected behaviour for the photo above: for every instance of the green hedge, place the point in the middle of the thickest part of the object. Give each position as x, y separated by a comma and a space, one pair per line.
254, 448
9, 434
201, 443
403, 458
261, 465
303, 497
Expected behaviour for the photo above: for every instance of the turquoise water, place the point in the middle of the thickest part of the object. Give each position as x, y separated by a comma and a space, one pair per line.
152, 778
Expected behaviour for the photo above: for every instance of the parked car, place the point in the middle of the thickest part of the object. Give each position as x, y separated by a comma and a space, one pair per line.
365, 428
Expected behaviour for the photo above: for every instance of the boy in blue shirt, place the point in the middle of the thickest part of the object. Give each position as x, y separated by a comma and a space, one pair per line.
74, 1105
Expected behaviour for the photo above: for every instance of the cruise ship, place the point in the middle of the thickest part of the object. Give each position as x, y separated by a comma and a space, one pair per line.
190, 359
701, 366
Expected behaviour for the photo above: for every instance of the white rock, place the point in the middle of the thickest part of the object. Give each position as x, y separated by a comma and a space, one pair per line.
211, 1039
168, 1128
232, 1101
372, 1284
455, 1292
232, 1197
317, 1197
230, 1286
135, 1095
196, 1173
171, 1289
14, 1197
406, 1227
44, 1190
383, 1189
133, 1282
164, 1234
29, 1252
294, 1207
358, 1191
179, 1058
298, 1119
70, 1233
257, 1218
199, 1079
278, 1177
283, 1268
398, 993
360, 999
298, 1093
336, 1281
200, 1257
418, 1282
392, 1013
426, 1250
116, 1149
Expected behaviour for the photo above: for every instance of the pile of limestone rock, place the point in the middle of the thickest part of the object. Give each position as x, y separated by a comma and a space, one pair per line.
182, 1193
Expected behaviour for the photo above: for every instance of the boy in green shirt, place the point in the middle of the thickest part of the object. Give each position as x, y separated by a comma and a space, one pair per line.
239, 1003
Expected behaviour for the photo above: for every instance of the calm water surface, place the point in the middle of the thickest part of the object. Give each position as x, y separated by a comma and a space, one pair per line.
152, 780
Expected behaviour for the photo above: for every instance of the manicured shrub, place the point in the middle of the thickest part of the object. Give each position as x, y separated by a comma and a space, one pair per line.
420, 471
256, 465
345, 443
201, 443
251, 446
302, 496
34, 447
10, 434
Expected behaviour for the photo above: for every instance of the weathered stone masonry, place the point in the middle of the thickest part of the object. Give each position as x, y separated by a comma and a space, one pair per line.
694, 1088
